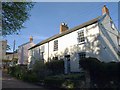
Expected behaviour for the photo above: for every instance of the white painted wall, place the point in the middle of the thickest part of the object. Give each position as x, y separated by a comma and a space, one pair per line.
109, 41
23, 53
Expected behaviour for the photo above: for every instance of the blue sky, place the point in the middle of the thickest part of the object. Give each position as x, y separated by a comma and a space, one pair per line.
46, 18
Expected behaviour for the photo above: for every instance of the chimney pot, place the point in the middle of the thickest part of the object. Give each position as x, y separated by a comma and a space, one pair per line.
105, 10
31, 38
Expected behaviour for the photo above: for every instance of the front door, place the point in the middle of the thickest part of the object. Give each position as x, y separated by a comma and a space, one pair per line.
67, 64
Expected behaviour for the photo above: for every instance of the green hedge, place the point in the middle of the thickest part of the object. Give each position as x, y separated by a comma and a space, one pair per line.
22, 73
55, 66
102, 73
66, 81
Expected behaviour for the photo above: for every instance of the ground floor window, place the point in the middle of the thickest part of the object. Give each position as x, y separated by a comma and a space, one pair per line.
41, 56
81, 55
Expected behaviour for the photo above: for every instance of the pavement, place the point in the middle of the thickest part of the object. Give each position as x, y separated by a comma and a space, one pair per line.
10, 82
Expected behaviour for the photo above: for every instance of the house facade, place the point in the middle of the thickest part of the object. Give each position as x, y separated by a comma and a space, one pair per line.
23, 52
97, 38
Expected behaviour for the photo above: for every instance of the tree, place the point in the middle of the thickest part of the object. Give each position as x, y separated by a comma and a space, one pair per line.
14, 14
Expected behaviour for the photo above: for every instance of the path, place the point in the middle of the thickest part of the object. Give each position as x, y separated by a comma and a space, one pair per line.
10, 82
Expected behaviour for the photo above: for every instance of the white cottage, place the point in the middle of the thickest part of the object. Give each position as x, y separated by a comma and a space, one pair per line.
97, 38
23, 52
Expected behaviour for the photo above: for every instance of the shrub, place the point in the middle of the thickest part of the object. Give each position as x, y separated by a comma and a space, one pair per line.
65, 81
55, 66
101, 73
39, 68
32, 77
18, 71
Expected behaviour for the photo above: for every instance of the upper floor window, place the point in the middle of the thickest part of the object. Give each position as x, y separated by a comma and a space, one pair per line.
55, 45
81, 37
42, 48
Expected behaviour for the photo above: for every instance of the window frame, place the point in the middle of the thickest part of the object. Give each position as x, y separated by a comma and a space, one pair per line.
83, 54
55, 48
81, 37
42, 48
82, 57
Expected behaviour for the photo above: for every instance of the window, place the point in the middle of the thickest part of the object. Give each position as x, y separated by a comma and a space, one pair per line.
81, 37
55, 45
41, 56
42, 48
55, 58
82, 55
112, 25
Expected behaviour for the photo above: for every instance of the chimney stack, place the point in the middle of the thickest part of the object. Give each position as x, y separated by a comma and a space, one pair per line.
31, 38
105, 10
63, 27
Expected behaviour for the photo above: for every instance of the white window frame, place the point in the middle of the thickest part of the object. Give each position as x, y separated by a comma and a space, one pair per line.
55, 48
81, 36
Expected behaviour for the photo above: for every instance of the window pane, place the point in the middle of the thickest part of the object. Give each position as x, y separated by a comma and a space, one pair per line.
81, 36
55, 45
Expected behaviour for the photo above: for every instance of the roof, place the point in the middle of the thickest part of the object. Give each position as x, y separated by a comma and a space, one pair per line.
24, 44
67, 32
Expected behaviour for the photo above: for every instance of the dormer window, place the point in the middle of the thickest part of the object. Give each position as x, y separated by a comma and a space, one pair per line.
81, 37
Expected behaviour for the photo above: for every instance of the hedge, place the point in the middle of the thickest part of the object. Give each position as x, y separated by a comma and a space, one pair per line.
102, 73
66, 81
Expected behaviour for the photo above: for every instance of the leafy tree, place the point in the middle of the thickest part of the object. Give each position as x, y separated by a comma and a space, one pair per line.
14, 14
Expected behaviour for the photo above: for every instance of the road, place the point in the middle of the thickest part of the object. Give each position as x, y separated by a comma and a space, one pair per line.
10, 82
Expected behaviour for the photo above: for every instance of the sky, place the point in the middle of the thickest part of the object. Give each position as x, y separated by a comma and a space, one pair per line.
46, 18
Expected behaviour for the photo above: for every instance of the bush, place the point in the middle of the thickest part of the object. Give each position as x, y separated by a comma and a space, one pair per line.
39, 68
22, 73
18, 71
55, 66
30, 76
65, 81
101, 73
